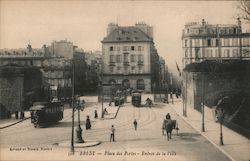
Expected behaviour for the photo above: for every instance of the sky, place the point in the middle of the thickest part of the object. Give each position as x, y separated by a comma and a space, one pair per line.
85, 22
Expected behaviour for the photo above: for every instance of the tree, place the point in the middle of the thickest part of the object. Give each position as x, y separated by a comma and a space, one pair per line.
244, 7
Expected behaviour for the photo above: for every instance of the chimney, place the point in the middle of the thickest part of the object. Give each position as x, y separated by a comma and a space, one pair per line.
145, 28
203, 22
111, 27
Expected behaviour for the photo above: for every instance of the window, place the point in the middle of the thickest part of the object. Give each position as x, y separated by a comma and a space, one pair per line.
226, 53
196, 42
226, 42
217, 42
208, 42
235, 42
185, 43
132, 58
111, 48
125, 48
140, 69
125, 57
118, 58
118, 48
132, 69
119, 70
140, 48
217, 53
209, 53
235, 53
132, 48
245, 42
140, 57
111, 58
186, 53
111, 69
126, 69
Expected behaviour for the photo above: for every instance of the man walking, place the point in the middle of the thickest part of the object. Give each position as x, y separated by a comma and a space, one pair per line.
135, 124
112, 134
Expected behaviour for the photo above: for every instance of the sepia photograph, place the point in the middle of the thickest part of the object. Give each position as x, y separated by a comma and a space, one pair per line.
124, 80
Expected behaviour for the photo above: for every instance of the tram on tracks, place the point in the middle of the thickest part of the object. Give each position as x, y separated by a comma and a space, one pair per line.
46, 113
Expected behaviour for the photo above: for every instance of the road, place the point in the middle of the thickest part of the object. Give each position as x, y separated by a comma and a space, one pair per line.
147, 143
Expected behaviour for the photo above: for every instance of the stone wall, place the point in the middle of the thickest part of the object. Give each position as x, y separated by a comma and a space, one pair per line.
11, 93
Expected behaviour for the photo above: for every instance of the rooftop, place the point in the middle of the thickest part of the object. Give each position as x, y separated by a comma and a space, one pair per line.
127, 34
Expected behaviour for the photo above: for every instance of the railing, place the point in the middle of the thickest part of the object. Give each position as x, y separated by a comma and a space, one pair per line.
111, 63
140, 62
126, 63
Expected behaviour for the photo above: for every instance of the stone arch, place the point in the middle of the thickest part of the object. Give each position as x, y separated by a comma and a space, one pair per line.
140, 84
126, 83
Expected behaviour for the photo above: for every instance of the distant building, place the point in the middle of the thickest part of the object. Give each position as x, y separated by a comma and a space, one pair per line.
214, 42
35, 73
130, 57
62, 48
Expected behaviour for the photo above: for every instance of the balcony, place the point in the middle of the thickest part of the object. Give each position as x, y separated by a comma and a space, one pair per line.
126, 63
111, 63
140, 63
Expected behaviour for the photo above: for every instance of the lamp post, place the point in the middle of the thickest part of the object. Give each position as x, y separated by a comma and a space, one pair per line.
72, 149
221, 116
184, 96
101, 89
202, 105
78, 129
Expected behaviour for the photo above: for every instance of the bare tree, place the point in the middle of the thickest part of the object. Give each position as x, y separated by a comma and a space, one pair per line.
244, 7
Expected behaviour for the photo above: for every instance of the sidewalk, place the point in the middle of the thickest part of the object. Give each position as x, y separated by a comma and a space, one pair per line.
12, 121
236, 146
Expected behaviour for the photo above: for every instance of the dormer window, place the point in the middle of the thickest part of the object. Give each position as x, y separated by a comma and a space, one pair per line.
111, 48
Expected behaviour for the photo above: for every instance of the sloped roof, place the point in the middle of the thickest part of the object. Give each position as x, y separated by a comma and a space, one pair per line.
127, 34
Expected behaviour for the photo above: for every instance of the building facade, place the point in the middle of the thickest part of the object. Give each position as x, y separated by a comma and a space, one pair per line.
203, 41
130, 57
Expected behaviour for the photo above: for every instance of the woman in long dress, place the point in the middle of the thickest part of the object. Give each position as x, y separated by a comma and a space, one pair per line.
88, 124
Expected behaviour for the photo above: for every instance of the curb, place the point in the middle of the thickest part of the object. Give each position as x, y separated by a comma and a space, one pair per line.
87, 143
15, 123
212, 142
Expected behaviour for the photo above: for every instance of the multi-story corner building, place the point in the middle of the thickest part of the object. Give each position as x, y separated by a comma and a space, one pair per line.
203, 41
130, 57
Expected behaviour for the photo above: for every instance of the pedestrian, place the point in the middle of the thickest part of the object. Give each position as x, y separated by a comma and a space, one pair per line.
112, 134
135, 124
96, 115
105, 111
16, 114
88, 124
171, 96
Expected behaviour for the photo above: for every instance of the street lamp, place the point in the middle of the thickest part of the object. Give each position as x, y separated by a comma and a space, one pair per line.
221, 116
101, 89
72, 149
79, 129
202, 105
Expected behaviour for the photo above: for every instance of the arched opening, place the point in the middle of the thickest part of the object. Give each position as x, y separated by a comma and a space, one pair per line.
112, 81
126, 84
140, 84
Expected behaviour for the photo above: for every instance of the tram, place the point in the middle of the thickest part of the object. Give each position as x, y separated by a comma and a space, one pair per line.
46, 113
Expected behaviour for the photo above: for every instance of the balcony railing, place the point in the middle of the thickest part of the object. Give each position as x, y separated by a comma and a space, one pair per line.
111, 63
140, 62
126, 63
